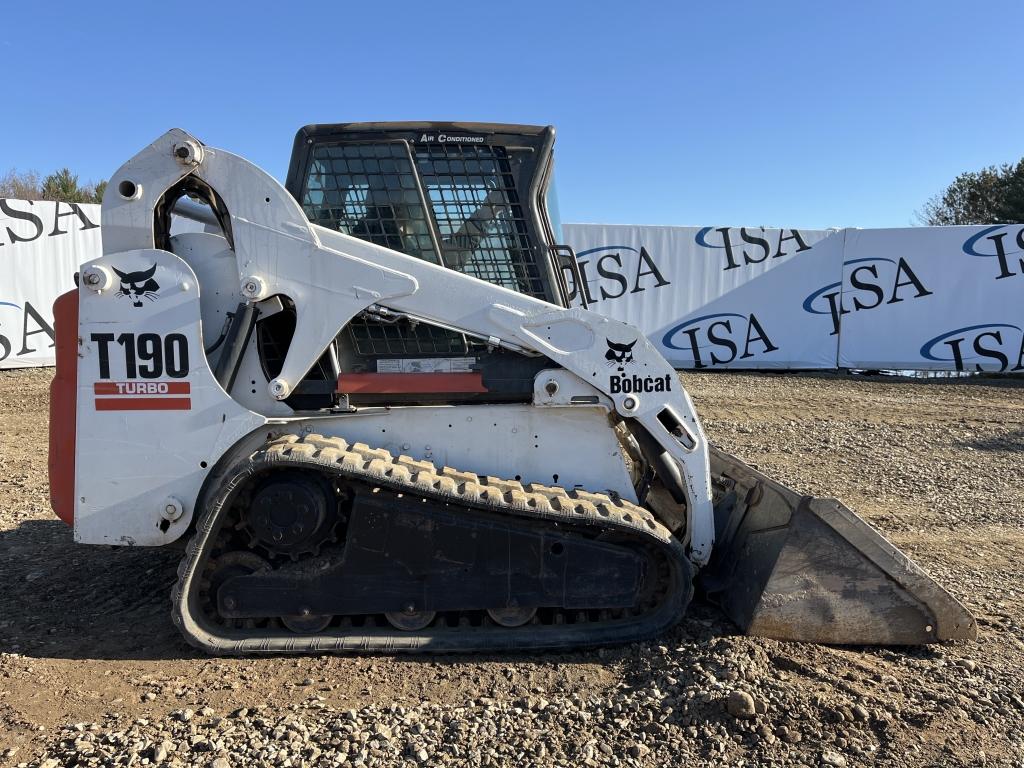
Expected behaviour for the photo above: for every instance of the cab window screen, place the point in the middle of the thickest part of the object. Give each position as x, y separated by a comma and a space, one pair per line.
471, 189
369, 191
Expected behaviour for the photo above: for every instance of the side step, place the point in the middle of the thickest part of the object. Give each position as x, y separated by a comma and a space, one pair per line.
801, 568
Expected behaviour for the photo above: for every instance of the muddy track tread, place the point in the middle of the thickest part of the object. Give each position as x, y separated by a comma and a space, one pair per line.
402, 474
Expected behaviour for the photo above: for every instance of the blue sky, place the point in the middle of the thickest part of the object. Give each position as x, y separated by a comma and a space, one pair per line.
807, 114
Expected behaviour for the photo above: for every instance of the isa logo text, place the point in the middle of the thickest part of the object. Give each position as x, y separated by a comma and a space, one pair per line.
994, 347
867, 284
720, 338
1004, 245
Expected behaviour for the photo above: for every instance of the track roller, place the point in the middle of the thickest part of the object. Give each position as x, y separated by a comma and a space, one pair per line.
511, 617
410, 621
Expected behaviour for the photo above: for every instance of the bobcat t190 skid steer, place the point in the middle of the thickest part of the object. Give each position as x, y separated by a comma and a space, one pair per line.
366, 405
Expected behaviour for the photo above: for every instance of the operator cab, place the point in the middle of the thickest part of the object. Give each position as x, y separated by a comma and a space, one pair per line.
473, 197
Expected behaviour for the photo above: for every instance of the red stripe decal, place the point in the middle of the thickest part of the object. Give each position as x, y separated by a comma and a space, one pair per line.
144, 404
134, 388
415, 383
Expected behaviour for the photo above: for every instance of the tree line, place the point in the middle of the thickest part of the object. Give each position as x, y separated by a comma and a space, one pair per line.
993, 195
60, 185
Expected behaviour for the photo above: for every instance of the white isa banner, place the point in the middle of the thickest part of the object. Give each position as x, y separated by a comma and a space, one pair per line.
940, 298
716, 297
41, 247
919, 298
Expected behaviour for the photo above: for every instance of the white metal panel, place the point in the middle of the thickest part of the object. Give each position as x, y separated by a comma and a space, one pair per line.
129, 462
567, 446
213, 263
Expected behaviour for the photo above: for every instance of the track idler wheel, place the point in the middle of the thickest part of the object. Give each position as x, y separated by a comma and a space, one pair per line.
511, 617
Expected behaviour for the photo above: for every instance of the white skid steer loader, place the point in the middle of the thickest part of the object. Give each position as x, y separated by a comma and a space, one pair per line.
366, 405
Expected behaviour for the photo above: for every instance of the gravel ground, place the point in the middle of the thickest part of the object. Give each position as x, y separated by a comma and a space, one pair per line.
93, 673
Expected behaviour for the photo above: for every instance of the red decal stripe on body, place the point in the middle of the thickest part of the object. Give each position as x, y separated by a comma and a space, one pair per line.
143, 404
417, 383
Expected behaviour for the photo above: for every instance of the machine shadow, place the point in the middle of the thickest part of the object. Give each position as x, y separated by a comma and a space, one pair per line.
73, 601
67, 600
1012, 442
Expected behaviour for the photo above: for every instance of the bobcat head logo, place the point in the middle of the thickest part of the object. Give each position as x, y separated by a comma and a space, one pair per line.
619, 355
137, 285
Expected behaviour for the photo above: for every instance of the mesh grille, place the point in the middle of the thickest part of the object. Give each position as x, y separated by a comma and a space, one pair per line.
480, 222
369, 191
374, 338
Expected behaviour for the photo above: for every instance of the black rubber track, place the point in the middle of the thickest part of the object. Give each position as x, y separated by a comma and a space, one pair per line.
377, 468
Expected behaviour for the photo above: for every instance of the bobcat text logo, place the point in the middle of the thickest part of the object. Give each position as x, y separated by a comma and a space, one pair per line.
986, 347
138, 285
620, 270
619, 355
760, 250
866, 286
630, 384
992, 242
725, 333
